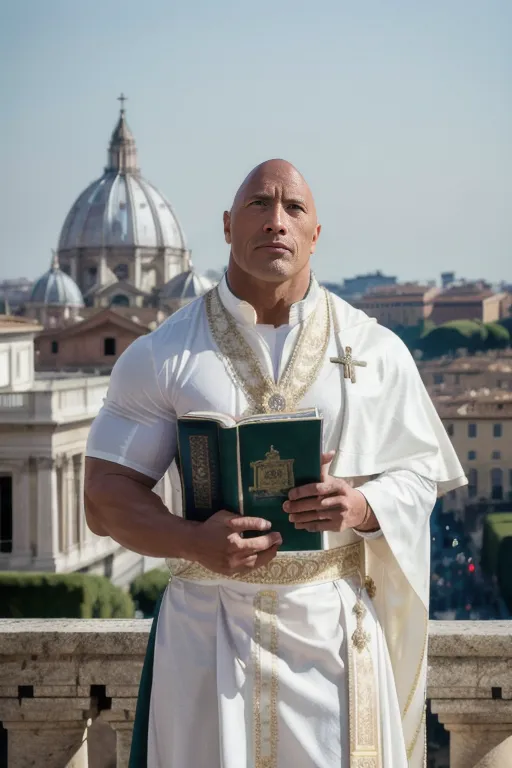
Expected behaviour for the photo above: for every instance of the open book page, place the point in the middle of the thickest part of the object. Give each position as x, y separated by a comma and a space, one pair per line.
227, 421
306, 413
221, 418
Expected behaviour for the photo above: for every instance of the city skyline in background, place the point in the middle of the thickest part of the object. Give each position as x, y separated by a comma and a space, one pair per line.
399, 117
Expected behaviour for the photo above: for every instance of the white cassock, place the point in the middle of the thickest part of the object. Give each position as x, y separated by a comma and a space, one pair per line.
286, 668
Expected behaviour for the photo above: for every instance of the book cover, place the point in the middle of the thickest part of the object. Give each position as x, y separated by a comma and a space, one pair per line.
248, 467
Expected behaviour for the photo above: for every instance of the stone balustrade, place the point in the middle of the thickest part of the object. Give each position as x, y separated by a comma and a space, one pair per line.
68, 690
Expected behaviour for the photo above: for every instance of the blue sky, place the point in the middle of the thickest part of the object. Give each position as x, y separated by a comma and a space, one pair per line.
398, 112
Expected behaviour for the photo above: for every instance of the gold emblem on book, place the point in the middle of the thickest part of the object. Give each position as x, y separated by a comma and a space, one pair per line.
273, 476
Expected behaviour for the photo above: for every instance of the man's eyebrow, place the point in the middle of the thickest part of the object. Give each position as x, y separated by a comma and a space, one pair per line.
267, 197
298, 200
260, 196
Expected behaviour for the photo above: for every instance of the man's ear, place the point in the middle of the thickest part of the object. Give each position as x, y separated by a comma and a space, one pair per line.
315, 238
227, 227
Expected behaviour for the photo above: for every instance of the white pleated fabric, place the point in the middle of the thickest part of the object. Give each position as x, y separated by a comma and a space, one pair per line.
203, 712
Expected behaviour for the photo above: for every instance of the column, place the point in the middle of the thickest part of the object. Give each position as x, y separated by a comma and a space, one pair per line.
21, 552
102, 268
470, 688
47, 514
73, 263
59, 744
68, 510
79, 469
137, 270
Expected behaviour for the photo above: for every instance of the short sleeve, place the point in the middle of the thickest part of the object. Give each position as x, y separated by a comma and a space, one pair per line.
136, 426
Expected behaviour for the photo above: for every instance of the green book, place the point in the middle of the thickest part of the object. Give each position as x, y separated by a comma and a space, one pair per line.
249, 466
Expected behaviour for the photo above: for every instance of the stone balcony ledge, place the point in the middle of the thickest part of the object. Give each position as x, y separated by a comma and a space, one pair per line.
67, 686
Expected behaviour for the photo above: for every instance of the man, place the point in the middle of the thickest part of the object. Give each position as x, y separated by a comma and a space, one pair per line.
312, 664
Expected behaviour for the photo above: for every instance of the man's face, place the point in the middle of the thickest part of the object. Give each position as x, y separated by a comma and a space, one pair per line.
272, 227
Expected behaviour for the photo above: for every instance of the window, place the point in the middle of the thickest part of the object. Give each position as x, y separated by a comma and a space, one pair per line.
5, 513
438, 378
496, 455
497, 430
450, 429
497, 484
472, 430
109, 346
120, 300
55, 347
121, 271
472, 483
456, 378
471, 455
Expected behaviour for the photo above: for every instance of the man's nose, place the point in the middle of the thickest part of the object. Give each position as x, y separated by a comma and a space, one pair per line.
276, 221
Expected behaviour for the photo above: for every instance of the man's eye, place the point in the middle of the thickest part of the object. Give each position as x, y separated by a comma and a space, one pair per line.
258, 202
296, 206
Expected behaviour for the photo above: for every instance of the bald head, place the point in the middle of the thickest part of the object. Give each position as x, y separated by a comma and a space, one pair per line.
272, 226
278, 170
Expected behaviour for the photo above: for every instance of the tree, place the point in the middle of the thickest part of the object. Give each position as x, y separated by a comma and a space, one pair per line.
498, 336
446, 339
507, 324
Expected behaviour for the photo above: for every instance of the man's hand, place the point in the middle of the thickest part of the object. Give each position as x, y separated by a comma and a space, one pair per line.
218, 545
331, 505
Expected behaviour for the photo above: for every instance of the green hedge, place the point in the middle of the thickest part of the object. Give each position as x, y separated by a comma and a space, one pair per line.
62, 595
147, 588
497, 551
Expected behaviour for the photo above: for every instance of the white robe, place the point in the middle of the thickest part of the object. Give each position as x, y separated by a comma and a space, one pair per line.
390, 443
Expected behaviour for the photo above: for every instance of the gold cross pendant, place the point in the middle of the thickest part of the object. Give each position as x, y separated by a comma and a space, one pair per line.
348, 363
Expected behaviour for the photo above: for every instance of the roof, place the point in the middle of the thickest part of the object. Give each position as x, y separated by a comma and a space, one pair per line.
15, 324
474, 364
186, 285
448, 297
121, 208
56, 288
481, 403
96, 321
403, 294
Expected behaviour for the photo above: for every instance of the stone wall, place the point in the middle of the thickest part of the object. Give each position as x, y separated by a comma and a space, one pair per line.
68, 690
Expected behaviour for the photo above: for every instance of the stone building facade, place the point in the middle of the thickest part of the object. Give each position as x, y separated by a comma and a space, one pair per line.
399, 305
44, 423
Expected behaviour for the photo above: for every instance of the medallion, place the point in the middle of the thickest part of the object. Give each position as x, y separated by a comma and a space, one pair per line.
277, 402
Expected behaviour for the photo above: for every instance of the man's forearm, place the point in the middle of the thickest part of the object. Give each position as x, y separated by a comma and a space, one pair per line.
136, 518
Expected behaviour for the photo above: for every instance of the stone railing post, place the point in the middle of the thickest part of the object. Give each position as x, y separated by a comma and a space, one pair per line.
56, 677
470, 685
47, 725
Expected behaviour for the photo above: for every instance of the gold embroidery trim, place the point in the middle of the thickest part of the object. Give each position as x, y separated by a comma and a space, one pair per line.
266, 680
200, 465
299, 568
410, 748
261, 392
364, 710
419, 669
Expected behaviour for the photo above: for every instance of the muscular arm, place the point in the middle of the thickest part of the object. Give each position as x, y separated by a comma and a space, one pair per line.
131, 444
119, 502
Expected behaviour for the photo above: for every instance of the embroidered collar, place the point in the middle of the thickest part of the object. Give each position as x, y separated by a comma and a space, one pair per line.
245, 314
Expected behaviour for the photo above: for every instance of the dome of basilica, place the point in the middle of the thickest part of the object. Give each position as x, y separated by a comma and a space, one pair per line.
56, 289
187, 285
121, 208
